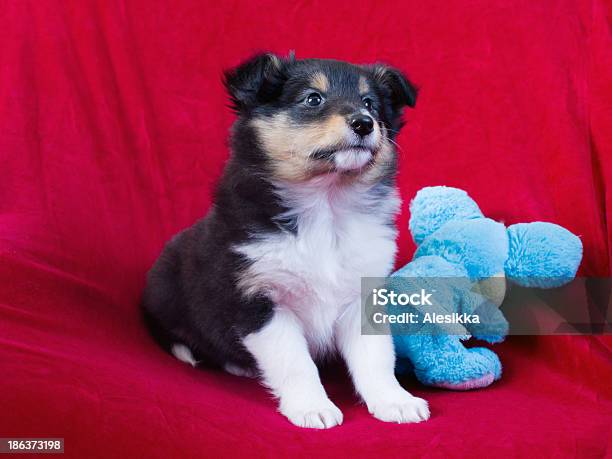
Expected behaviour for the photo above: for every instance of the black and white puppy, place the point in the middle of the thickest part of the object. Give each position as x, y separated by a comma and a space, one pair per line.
269, 280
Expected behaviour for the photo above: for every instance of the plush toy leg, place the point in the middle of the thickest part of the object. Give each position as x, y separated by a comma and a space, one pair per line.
442, 361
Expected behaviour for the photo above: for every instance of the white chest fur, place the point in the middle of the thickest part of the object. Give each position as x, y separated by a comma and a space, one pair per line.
343, 234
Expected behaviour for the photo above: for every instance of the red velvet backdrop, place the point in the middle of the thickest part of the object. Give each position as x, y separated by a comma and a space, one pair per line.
113, 126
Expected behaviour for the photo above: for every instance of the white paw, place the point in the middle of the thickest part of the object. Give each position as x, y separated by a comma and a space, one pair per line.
315, 415
402, 408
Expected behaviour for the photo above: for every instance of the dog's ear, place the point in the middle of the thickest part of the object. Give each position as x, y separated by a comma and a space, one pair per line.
255, 81
400, 90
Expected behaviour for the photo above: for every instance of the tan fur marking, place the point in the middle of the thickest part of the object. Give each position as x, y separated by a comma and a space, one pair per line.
319, 81
364, 87
290, 146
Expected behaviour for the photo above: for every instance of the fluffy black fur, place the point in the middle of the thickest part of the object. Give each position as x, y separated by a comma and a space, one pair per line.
191, 295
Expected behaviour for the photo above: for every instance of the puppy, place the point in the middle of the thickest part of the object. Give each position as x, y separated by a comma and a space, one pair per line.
269, 281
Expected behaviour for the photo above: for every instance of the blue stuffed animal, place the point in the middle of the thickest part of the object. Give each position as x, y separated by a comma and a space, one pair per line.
467, 259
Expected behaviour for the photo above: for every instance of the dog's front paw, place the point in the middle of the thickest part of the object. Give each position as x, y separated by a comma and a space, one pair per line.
315, 415
401, 408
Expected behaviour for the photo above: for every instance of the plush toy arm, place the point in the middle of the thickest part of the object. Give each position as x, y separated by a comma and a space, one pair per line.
542, 255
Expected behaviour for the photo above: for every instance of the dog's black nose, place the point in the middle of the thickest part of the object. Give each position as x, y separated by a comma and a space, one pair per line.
362, 124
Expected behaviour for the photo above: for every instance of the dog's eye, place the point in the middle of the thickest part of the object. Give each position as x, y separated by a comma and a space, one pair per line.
367, 103
313, 99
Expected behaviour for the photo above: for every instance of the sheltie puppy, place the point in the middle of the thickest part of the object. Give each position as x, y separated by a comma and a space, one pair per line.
269, 281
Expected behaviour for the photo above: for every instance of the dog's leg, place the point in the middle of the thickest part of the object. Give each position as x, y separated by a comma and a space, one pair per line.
371, 361
282, 356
